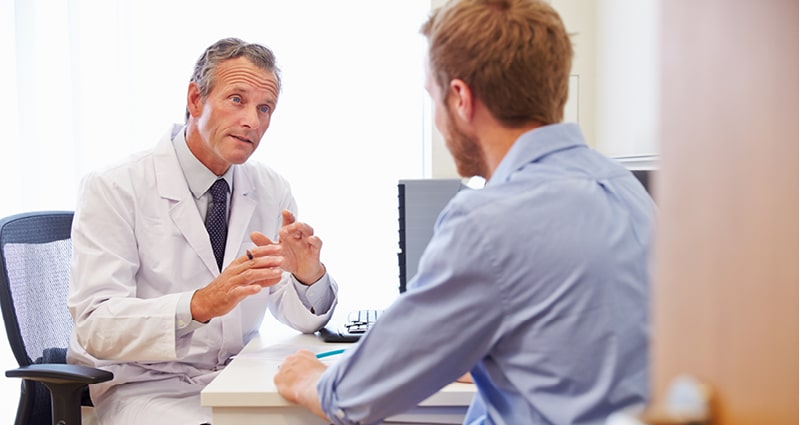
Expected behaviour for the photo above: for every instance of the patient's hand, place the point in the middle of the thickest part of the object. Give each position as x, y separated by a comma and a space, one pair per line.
297, 380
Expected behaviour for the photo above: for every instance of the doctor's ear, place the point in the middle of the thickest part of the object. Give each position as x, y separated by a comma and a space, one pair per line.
194, 101
461, 99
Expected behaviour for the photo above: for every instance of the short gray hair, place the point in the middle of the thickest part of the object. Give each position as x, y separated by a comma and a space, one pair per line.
230, 48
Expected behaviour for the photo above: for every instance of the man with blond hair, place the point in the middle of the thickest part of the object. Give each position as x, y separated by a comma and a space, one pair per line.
537, 284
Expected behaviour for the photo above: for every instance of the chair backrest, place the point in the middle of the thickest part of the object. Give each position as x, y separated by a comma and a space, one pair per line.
35, 256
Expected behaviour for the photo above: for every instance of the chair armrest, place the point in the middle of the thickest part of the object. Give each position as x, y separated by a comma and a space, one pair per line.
65, 382
55, 373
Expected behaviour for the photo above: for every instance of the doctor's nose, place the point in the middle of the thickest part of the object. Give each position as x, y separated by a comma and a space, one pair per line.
249, 118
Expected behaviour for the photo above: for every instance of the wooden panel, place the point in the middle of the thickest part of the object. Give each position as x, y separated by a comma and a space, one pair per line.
726, 280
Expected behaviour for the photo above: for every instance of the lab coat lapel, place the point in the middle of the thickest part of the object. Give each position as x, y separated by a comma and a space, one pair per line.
241, 212
183, 211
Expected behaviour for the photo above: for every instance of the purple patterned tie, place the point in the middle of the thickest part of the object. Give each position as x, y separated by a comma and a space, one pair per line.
216, 219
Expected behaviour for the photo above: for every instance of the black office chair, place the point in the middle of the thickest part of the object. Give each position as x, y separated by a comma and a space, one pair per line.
35, 255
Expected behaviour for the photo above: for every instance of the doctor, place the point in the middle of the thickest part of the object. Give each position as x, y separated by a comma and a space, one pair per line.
150, 300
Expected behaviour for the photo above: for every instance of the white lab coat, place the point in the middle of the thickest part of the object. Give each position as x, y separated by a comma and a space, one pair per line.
139, 244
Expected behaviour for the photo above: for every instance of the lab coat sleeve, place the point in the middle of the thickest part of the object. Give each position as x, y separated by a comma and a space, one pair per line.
293, 308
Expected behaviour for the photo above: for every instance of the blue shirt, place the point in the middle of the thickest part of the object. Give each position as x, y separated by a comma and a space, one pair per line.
537, 284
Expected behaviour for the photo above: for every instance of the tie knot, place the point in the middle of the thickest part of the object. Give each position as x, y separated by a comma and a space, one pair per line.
219, 190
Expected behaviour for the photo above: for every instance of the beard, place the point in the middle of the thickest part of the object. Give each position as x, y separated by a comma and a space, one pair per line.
466, 152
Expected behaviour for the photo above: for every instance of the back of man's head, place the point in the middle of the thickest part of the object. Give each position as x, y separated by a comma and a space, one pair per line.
515, 55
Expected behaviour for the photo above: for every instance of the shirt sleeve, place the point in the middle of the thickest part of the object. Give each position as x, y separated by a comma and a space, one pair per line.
317, 298
184, 324
437, 330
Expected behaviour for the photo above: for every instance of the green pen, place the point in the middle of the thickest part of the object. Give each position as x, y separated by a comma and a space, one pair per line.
330, 353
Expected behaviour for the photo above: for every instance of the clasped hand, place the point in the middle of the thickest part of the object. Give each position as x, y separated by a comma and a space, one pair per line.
297, 252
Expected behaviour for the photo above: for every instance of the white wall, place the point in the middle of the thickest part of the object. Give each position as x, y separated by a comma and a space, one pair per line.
627, 67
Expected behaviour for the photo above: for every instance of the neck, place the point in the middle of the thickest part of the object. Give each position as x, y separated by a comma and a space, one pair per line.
496, 140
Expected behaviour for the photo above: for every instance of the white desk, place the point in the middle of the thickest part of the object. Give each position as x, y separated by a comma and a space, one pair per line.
244, 392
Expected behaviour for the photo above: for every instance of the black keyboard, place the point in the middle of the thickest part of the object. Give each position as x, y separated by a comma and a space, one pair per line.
358, 322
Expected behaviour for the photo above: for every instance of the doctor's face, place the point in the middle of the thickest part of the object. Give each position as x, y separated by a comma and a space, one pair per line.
231, 120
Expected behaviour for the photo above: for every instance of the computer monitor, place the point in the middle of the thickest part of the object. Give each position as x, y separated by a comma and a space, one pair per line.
643, 167
645, 177
419, 203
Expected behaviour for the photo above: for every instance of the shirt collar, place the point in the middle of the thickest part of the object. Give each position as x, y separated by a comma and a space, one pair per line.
534, 145
197, 175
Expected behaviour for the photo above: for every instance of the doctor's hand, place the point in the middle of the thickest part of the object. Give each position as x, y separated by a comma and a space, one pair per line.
297, 379
242, 278
299, 247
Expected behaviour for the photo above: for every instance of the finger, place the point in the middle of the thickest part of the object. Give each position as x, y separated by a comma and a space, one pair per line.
251, 256
245, 291
260, 239
304, 353
296, 231
270, 250
288, 217
261, 261
303, 228
297, 356
288, 235
315, 242
261, 269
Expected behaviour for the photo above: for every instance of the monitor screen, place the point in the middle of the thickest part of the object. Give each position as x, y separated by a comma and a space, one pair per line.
643, 167
419, 203
645, 177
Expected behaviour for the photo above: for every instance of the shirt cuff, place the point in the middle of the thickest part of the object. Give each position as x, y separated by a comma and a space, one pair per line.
184, 324
328, 400
318, 298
